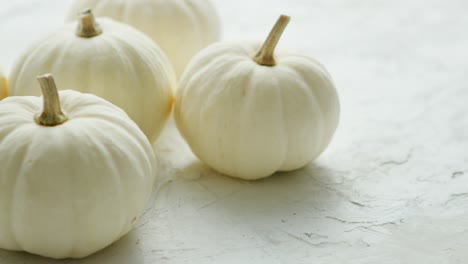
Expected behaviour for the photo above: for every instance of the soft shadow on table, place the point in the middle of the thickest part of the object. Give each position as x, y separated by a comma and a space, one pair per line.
124, 251
310, 191
298, 205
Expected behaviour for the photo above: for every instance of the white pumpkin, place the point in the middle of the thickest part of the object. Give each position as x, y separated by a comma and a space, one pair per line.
111, 60
249, 114
71, 182
3, 85
180, 27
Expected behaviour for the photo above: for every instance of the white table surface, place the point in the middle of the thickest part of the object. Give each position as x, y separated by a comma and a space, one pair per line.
391, 188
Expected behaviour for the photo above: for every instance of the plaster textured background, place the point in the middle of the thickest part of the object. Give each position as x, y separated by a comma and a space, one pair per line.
391, 188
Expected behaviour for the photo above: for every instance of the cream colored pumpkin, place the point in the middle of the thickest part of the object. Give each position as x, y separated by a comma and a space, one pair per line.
112, 61
3, 85
180, 27
71, 182
249, 114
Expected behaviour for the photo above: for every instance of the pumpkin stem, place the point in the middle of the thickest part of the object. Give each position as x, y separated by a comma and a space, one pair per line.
87, 25
52, 114
265, 56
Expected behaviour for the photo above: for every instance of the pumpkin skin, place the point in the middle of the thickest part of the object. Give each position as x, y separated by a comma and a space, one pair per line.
69, 190
120, 65
180, 27
248, 120
3, 85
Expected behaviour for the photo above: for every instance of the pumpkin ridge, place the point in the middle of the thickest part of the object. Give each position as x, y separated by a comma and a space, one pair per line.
329, 126
14, 194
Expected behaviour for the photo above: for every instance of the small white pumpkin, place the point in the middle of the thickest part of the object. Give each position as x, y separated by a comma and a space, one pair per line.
180, 27
71, 182
249, 114
111, 60
3, 85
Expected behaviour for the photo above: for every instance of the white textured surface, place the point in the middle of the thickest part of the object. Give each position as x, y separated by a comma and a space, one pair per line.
392, 187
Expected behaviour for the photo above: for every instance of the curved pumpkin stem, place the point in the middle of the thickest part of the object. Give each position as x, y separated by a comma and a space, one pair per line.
265, 56
52, 114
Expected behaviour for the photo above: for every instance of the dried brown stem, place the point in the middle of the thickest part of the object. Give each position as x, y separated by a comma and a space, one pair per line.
265, 56
87, 25
52, 114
